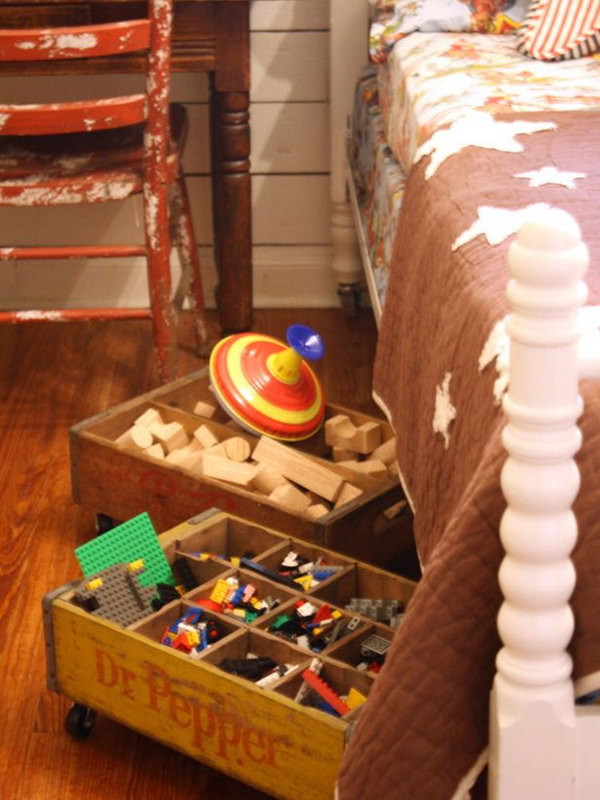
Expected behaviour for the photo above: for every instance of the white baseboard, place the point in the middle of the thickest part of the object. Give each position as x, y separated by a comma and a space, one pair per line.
284, 277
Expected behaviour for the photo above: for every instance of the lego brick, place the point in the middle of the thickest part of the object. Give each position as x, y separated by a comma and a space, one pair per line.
134, 539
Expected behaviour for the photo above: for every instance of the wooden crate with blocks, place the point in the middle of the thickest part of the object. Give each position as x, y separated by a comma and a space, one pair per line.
209, 702
174, 452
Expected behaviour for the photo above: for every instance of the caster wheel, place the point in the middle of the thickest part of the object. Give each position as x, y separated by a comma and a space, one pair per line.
80, 721
104, 524
349, 295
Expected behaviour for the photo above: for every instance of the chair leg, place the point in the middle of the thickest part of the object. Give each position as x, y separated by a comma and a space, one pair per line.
187, 249
159, 282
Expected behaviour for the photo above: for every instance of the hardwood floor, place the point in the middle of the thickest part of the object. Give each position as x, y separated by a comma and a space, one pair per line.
52, 376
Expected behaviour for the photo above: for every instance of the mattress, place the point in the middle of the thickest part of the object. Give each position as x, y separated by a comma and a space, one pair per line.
431, 79
377, 177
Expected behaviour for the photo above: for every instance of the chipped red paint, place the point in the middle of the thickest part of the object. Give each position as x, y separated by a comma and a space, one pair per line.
106, 251
115, 168
92, 115
73, 314
75, 42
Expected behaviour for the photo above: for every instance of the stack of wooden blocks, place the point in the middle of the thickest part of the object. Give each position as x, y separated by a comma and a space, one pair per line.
293, 480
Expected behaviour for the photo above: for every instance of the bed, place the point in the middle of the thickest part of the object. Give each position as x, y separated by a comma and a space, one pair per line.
487, 166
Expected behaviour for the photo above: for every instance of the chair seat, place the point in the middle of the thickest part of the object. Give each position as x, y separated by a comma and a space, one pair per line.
81, 167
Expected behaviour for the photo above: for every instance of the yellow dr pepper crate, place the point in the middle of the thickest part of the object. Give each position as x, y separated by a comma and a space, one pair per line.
259, 736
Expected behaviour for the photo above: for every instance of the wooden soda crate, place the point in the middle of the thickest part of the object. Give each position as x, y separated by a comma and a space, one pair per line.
113, 480
261, 736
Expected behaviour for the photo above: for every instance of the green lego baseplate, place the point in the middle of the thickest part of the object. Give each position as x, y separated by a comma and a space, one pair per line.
128, 542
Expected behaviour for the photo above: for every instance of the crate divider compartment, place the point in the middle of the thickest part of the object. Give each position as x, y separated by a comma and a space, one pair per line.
205, 570
347, 650
264, 588
338, 677
154, 626
231, 537
272, 560
365, 583
265, 622
259, 644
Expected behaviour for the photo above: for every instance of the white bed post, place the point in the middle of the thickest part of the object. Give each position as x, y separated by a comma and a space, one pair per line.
348, 55
537, 737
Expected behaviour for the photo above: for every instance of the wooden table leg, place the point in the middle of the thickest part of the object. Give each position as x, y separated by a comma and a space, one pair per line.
232, 207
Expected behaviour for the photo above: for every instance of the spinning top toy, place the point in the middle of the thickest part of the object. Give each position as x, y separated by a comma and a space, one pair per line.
266, 386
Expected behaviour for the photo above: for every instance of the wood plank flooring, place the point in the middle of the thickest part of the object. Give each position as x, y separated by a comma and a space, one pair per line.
52, 376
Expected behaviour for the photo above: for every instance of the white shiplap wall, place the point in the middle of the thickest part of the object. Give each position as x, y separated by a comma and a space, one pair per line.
290, 185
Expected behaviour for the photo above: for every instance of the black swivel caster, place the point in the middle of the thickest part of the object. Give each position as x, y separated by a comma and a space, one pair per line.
80, 721
349, 295
104, 524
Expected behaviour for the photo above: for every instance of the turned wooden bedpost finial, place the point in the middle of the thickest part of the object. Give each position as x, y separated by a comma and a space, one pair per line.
532, 747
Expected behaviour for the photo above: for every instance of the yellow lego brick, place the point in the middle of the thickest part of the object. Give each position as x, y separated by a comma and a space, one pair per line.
220, 592
239, 612
336, 614
355, 698
256, 603
95, 584
305, 581
134, 566
235, 561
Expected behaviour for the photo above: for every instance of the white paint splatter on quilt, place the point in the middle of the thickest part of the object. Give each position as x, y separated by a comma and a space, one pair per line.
496, 224
476, 129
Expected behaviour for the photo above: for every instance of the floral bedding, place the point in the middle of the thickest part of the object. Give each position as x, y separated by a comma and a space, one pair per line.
378, 179
431, 79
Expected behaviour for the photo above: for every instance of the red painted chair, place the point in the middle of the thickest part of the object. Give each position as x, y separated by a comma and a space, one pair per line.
99, 150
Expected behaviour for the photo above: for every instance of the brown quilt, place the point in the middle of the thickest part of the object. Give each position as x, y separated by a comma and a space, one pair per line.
426, 723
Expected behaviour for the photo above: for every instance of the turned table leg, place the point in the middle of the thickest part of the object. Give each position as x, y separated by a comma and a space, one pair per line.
232, 207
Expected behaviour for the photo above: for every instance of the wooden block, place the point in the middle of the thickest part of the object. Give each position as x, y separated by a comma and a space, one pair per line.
347, 493
342, 454
136, 438
298, 468
187, 457
394, 470
267, 479
354, 464
316, 510
217, 450
205, 436
342, 433
172, 435
155, 451
237, 449
290, 498
204, 409
177, 456
394, 510
339, 430
367, 437
375, 468
149, 416
225, 470
386, 452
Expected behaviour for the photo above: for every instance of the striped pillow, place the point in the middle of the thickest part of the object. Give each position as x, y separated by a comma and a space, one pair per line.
559, 29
